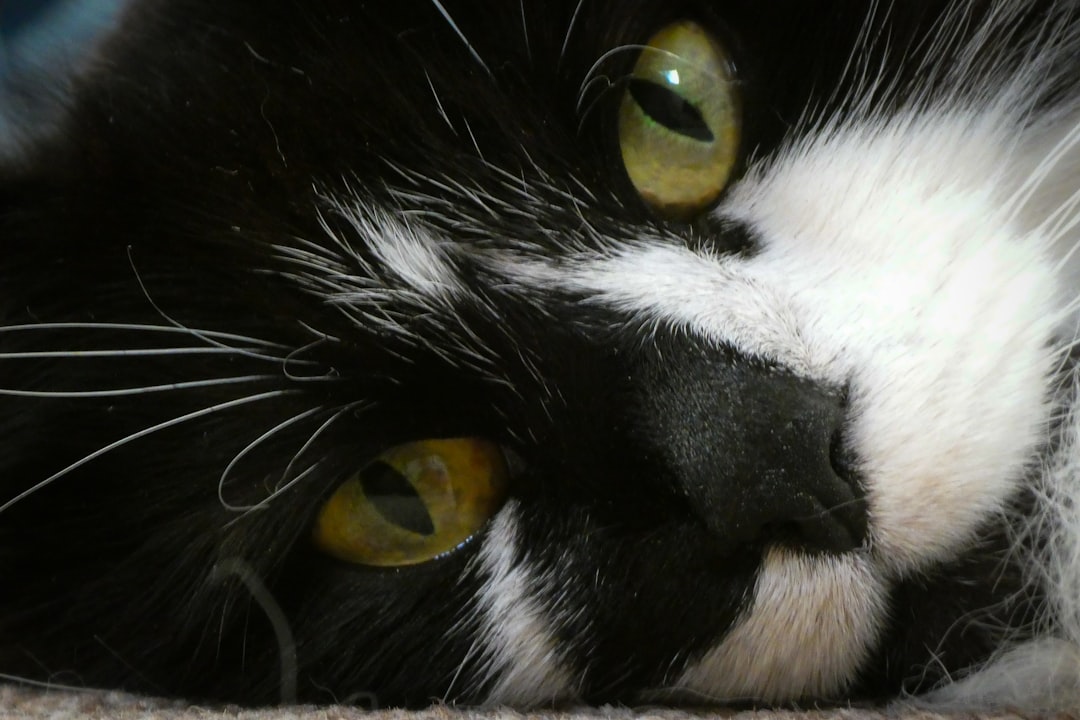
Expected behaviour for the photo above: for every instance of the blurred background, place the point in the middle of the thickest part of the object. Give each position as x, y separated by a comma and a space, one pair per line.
42, 44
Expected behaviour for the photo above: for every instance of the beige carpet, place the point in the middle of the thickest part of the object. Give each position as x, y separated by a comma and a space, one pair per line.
18, 703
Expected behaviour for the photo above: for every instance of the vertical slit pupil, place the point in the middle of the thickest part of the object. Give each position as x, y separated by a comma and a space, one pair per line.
668, 108
394, 497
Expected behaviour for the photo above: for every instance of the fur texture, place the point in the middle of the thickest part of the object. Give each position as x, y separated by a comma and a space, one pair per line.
818, 443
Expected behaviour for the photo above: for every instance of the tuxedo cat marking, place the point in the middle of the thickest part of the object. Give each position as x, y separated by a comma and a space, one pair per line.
525, 353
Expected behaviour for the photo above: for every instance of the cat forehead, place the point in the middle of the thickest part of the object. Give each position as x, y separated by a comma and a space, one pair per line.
477, 90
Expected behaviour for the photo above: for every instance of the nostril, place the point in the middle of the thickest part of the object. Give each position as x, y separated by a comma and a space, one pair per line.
816, 501
836, 529
815, 533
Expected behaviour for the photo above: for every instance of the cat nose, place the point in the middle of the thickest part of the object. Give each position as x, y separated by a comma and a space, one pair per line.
793, 484
761, 455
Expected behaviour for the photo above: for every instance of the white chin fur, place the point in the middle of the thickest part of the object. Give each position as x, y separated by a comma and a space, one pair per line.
805, 634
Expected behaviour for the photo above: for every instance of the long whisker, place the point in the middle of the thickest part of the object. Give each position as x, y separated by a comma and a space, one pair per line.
251, 446
307, 445
213, 347
454, 26
278, 620
131, 352
589, 78
525, 30
46, 684
177, 328
291, 358
141, 434
121, 392
283, 486
1066, 220
570, 31
196, 333
1064, 312
265, 502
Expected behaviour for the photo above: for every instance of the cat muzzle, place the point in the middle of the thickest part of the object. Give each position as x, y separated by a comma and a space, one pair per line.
760, 453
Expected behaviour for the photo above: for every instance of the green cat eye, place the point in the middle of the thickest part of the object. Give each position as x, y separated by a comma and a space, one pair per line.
414, 502
680, 121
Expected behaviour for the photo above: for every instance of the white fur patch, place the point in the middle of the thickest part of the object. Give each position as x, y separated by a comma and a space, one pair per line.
889, 261
412, 256
388, 274
811, 624
518, 646
891, 272
1040, 676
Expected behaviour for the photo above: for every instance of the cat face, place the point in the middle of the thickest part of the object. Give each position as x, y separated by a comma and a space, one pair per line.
520, 353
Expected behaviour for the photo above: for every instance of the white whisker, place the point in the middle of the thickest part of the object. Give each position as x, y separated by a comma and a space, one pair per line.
121, 392
310, 441
250, 447
525, 30
1065, 212
136, 352
1024, 193
439, 105
141, 434
570, 30
476, 145
291, 358
139, 327
1067, 218
247, 575
265, 502
1064, 312
283, 486
454, 26
318, 333
46, 684
587, 81
196, 333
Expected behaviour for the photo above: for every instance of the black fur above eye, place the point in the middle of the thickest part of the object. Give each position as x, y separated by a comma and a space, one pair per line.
795, 444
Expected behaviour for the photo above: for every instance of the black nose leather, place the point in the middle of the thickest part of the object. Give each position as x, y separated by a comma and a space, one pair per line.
758, 452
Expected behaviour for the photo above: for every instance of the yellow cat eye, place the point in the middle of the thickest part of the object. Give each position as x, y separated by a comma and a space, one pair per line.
413, 502
680, 121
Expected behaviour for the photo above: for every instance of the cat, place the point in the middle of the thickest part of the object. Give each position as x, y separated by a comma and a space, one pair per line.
527, 353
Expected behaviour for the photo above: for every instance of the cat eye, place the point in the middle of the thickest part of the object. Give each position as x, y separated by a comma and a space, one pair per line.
414, 502
680, 121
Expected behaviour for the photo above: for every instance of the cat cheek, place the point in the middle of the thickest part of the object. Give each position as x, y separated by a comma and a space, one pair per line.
913, 284
523, 665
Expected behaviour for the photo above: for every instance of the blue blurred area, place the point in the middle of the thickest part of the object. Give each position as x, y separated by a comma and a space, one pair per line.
14, 14
43, 43
33, 30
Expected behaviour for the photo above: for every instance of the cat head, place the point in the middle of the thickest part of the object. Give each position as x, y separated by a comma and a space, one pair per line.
516, 353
